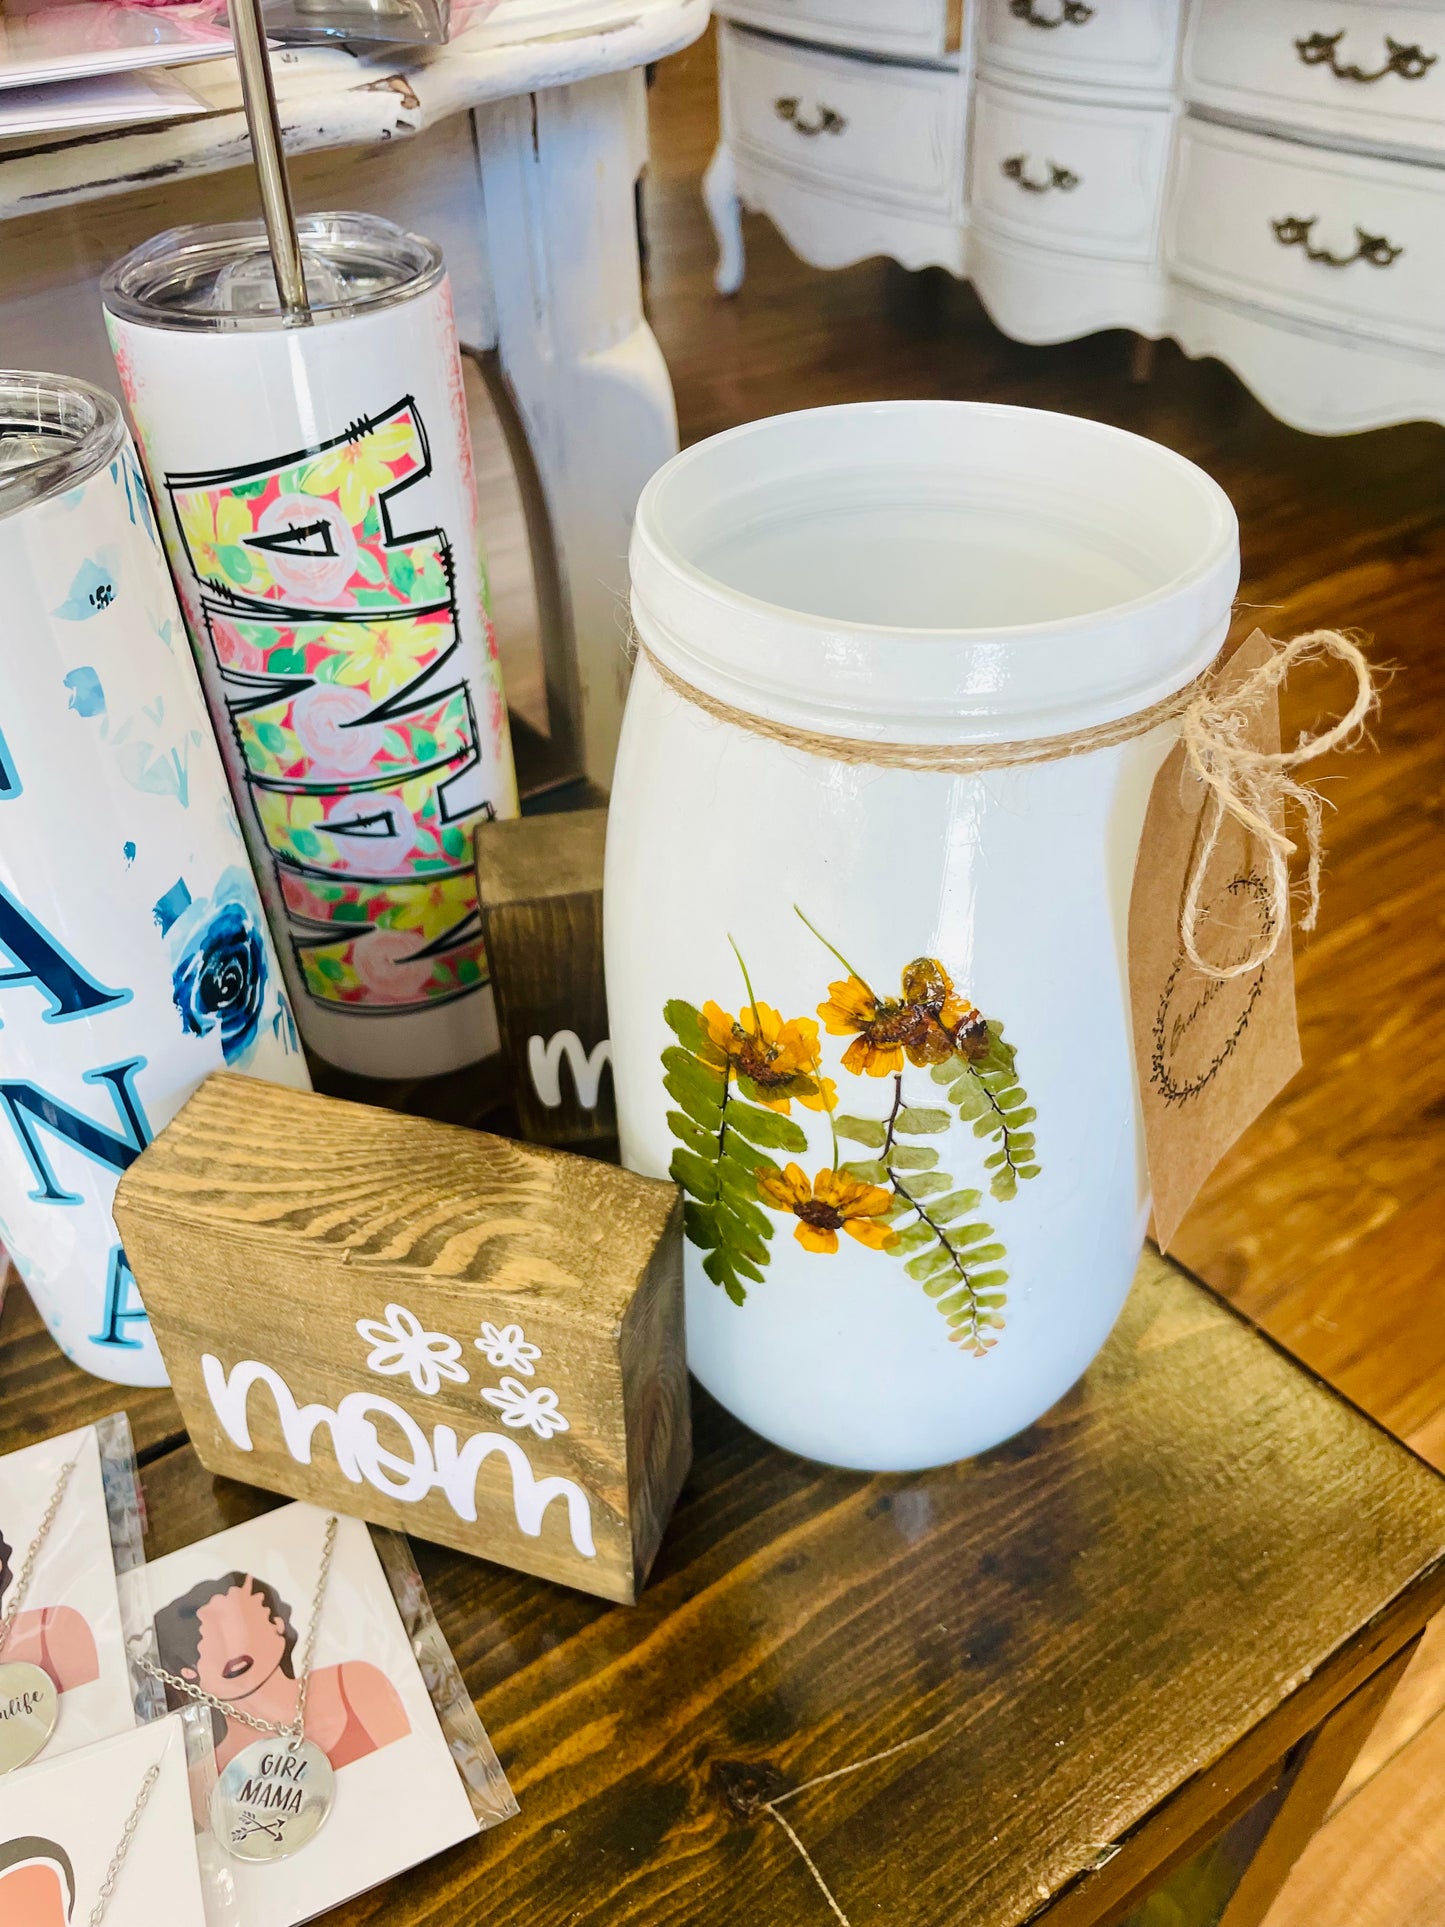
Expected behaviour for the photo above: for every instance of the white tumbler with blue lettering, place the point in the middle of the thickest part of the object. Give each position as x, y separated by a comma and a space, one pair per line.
134, 955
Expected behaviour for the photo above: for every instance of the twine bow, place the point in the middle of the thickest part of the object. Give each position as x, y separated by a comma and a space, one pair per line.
1254, 787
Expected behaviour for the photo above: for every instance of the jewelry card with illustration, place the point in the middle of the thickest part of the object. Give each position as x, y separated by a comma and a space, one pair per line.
109, 1827
259, 1621
64, 1677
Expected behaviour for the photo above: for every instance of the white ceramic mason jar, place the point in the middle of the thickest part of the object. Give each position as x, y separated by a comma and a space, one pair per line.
873, 1017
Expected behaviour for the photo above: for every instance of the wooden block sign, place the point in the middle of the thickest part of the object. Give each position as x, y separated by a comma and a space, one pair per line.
539, 883
477, 1341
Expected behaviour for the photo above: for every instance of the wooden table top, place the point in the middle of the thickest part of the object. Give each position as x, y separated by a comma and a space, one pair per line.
969, 1684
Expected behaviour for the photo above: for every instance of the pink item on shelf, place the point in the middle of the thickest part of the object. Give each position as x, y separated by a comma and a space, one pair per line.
50, 40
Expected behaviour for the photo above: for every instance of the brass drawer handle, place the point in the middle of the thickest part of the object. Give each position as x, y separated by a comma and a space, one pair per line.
829, 121
1410, 61
1072, 13
1015, 168
1292, 232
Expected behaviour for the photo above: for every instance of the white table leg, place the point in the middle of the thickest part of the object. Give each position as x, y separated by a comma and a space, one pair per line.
558, 174
720, 191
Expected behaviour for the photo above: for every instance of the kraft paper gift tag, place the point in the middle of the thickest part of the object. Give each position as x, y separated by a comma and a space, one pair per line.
1211, 1051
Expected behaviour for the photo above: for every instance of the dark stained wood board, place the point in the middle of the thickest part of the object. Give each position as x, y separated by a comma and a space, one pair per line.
42, 1393
539, 883
1072, 1628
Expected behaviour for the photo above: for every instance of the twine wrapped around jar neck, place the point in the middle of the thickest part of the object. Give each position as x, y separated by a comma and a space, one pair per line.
1253, 787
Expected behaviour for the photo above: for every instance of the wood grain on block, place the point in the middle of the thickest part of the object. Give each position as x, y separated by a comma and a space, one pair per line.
475, 1340
539, 880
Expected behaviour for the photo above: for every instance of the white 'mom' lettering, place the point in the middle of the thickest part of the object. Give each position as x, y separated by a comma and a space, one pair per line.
544, 1061
361, 1455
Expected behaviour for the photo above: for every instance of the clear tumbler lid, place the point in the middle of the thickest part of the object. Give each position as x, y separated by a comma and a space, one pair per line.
219, 279
54, 434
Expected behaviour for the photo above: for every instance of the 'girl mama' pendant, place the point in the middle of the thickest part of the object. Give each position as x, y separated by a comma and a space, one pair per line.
272, 1798
29, 1708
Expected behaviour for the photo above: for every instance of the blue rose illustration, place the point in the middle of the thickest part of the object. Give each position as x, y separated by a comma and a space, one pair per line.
218, 958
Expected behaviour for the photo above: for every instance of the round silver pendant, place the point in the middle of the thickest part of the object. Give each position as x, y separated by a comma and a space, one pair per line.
29, 1708
272, 1799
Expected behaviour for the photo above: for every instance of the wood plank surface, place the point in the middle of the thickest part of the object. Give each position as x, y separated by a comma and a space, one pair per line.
42, 1393
1197, 1551
1380, 1862
1327, 1757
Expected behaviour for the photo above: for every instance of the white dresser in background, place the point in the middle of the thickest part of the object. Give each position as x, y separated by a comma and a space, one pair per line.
1262, 180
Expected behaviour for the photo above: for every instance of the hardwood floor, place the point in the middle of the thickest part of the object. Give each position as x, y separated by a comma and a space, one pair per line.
1326, 1222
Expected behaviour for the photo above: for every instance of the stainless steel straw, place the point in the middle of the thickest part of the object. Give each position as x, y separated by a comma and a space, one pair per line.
258, 94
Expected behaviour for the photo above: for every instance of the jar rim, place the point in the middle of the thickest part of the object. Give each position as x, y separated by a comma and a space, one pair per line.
78, 429
883, 680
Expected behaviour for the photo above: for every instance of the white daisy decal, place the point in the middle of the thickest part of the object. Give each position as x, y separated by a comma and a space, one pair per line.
399, 1343
507, 1350
531, 1405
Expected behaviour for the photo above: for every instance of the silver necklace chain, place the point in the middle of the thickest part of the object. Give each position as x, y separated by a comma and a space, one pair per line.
294, 1728
23, 1577
122, 1846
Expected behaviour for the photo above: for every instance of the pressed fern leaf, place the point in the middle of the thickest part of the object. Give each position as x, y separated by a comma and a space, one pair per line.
955, 1258
986, 1092
722, 1145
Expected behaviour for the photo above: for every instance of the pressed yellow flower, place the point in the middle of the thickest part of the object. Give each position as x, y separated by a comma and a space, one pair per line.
927, 1023
222, 523
779, 1059
357, 472
831, 1203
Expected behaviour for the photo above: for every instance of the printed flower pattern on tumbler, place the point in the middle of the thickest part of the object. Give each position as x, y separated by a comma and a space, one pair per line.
218, 965
335, 632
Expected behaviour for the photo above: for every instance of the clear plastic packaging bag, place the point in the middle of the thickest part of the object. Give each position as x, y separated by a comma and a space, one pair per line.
110, 1824
492, 1798
363, 23
69, 1621
413, 1769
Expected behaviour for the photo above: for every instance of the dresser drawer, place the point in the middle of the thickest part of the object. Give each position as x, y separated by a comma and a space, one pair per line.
1105, 43
1089, 179
1336, 238
1351, 67
878, 130
924, 29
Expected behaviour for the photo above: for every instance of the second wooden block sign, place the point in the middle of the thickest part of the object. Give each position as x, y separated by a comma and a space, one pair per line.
539, 887
477, 1341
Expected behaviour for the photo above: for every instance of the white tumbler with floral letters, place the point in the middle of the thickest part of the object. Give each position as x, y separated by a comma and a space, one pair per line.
903, 685
317, 500
134, 956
